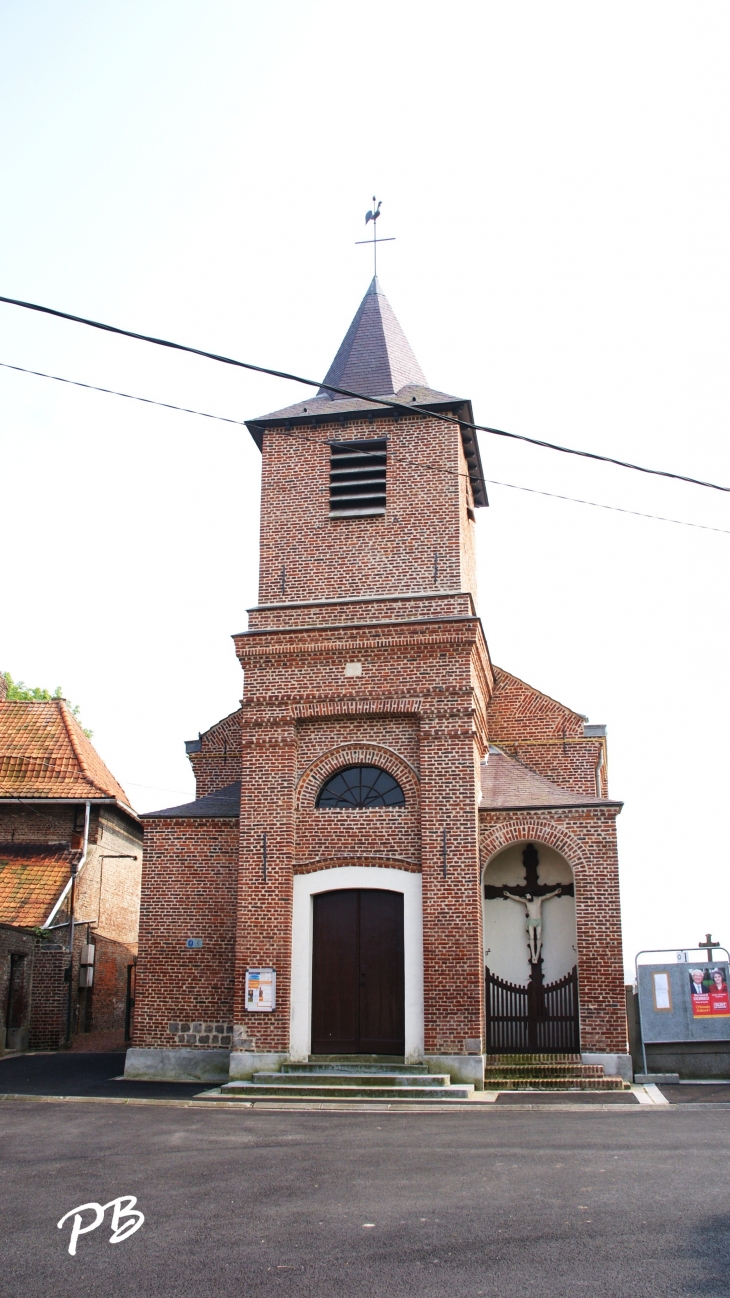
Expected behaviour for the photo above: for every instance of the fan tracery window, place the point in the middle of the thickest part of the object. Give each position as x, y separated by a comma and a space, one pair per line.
359, 787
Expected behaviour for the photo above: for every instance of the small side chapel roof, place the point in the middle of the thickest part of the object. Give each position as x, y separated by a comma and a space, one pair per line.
375, 358
222, 805
507, 785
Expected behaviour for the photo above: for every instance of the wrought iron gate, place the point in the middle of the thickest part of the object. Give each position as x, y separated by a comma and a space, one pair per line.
534, 1019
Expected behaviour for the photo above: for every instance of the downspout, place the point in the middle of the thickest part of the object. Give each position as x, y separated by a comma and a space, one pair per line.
74, 871
599, 768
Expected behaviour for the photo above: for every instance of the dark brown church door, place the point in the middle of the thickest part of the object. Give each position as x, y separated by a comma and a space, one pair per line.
358, 999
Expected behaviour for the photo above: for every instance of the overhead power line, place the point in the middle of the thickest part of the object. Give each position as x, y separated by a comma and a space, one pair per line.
205, 414
347, 392
618, 509
112, 392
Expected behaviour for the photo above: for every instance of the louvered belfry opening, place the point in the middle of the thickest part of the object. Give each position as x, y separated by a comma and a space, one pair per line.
357, 477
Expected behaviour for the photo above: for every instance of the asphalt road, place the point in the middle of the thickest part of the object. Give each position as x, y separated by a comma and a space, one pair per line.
490, 1202
76, 1073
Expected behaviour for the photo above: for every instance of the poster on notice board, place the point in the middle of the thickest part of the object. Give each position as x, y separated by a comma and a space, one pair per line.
260, 989
708, 991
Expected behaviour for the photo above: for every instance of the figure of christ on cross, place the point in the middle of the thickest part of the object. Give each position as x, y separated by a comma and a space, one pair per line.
533, 906
531, 894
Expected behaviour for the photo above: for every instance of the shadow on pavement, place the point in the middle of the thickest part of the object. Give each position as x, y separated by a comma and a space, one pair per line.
72, 1073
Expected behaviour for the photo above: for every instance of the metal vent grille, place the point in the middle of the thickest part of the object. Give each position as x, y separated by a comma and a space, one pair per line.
357, 478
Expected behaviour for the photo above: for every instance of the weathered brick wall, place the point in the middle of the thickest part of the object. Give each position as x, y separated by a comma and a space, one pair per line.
189, 890
26, 824
416, 686
384, 835
106, 1001
416, 545
452, 915
108, 887
49, 1000
586, 837
218, 763
18, 942
545, 735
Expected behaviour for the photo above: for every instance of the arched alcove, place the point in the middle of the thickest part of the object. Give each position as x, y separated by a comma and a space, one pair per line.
505, 932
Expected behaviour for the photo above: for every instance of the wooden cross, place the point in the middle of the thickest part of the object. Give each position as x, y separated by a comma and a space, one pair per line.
531, 861
709, 946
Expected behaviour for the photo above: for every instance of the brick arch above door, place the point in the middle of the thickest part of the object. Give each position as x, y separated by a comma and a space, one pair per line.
344, 755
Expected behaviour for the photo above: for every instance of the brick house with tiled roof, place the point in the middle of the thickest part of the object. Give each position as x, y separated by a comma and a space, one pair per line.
70, 843
420, 845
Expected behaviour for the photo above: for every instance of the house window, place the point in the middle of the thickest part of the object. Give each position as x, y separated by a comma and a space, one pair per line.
357, 478
361, 786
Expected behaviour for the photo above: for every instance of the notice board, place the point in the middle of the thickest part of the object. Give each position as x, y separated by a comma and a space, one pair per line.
684, 1001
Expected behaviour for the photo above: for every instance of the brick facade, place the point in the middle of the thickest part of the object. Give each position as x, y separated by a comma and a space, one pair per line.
188, 891
366, 648
106, 913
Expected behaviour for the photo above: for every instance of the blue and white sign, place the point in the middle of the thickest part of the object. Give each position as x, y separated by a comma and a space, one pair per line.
194, 943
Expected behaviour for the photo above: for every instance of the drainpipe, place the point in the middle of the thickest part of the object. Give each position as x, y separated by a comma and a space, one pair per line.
74, 871
599, 768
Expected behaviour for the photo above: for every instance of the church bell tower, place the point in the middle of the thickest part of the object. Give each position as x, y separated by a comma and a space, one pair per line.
364, 663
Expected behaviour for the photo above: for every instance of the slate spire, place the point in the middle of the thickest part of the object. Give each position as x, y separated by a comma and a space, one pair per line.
375, 357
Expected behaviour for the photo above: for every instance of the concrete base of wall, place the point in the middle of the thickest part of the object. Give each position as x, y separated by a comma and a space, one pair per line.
613, 1065
181, 1065
461, 1068
692, 1060
244, 1063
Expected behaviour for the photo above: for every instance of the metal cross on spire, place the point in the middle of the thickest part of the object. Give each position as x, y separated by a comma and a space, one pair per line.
373, 215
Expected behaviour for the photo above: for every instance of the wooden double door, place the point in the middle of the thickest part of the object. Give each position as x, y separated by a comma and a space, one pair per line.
358, 996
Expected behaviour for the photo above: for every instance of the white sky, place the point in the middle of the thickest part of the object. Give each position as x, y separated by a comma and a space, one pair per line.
556, 176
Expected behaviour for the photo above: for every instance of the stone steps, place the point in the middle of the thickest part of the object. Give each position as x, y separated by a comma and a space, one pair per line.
546, 1073
554, 1083
348, 1078
347, 1089
543, 1070
359, 1070
290, 1077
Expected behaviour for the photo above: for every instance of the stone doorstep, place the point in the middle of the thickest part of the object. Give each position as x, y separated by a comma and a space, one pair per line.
361, 1070
313, 1091
331, 1077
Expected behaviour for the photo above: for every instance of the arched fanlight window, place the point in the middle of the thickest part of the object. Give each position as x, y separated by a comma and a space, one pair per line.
361, 786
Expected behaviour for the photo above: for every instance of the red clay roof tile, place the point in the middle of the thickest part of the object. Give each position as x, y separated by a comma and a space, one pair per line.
44, 753
32, 877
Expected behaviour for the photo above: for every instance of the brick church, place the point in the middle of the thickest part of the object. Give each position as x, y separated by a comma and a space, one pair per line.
397, 849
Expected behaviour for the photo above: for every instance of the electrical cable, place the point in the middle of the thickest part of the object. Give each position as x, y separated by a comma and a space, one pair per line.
346, 392
112, 392
576, 500
204, 414
240, 423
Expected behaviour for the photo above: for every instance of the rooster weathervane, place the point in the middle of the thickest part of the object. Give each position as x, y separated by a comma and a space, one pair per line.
373, 215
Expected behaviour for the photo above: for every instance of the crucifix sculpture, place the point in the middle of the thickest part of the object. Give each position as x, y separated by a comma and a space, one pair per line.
531, 894
533, 907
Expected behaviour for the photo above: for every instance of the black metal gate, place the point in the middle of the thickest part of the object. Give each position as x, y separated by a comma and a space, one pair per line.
533, 1018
